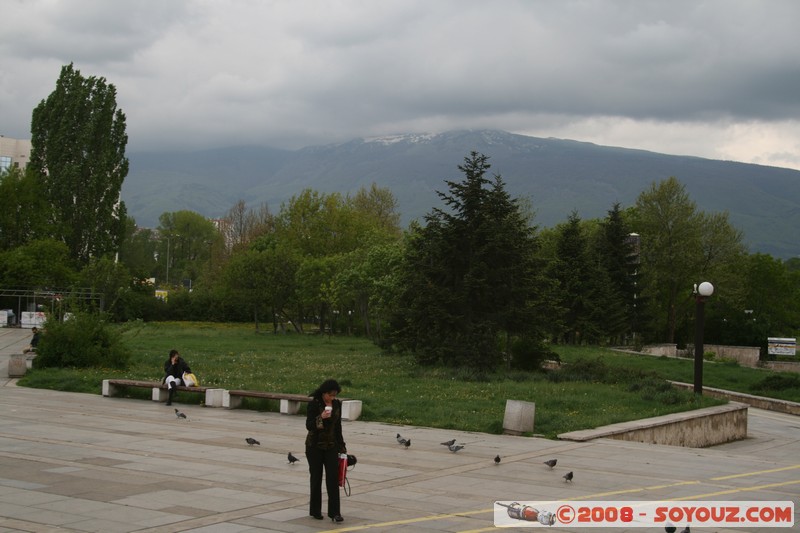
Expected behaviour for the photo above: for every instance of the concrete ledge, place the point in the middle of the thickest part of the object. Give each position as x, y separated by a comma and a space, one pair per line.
693, 429
759, 402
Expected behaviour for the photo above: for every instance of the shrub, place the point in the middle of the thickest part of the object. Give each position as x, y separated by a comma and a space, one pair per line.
589, 370
778, 382
85, 340
528, 354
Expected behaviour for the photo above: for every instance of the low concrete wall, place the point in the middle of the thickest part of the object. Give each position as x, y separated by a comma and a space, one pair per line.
781, 366
759, 402
744, 355
694, 429
669, 350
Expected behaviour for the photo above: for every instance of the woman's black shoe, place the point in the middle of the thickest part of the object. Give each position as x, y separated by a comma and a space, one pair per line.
337, 518
317, 516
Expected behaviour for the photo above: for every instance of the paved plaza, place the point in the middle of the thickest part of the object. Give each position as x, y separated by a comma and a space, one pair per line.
82, 462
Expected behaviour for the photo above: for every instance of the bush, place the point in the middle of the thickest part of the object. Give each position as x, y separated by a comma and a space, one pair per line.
777, 382
85, 340
528, 354
588, 370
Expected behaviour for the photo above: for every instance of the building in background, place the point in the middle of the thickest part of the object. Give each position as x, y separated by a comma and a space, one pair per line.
14, 153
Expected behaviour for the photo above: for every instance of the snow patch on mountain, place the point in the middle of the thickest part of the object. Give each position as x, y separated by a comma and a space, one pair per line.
410, 138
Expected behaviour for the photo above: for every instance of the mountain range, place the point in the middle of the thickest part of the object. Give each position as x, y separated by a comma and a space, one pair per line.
558, 176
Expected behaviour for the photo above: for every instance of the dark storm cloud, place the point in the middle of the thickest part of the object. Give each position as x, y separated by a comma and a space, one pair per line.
194, 74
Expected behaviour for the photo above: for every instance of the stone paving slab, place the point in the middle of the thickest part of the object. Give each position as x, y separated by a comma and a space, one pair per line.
81, 462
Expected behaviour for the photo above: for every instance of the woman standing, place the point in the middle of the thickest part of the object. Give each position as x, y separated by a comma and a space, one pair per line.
324, 443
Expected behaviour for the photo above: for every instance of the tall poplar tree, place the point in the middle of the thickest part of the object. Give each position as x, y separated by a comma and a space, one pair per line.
78, 142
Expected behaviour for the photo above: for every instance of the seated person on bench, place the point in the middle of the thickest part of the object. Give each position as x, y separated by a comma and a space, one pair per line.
34, 341
174, 369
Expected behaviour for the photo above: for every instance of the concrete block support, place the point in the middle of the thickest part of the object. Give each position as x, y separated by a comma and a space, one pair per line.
351, 409
289, 407
519, 417
17, 365
159, 394
230, 402
108, 388
214, 397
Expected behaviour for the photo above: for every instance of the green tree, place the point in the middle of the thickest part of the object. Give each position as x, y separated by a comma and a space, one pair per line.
78, 145
378, 207
185, 245
617, 251
470, 275
768, 306
585, 294
22, 208
681, 246
39, 263
139, 250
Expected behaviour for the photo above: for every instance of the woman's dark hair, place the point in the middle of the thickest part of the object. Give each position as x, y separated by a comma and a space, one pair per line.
327, 386
172, 352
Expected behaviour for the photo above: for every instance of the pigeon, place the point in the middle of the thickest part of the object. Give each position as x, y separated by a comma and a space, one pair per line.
407, 443
251, 441
497, 459
292, 459
686, 530
448, 443
455, 447
179, 414
400, 439
670, 529
551, 462
568, 477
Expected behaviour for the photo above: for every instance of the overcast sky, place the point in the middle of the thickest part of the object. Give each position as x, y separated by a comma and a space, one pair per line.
717, 79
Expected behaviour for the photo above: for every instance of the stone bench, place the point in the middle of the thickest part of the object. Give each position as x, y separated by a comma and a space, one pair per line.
160, 392
290, 403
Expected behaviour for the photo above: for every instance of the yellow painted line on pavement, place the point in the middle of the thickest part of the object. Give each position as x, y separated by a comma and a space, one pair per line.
783, 469
482, 511
738, 489
599, 494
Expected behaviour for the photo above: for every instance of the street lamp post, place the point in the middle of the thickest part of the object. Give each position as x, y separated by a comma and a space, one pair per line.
168, 255
701, 292
167, 260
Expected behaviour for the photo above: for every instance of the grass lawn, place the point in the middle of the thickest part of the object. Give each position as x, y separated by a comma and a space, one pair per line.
603, 386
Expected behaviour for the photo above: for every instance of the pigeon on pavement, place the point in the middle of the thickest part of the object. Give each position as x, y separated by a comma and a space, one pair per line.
407, 443
686, 530
455, 447
179, 414
448, 443
497, 459
551, 462
568, 477
292, 458
251, 441
670, 528
400, 439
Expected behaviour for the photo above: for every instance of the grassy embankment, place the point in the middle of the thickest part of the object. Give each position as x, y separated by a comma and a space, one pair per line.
599, 387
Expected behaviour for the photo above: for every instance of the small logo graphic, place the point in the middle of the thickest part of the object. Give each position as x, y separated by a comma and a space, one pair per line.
517, 511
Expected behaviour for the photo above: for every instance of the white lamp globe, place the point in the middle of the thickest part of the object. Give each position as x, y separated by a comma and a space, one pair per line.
705, 289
